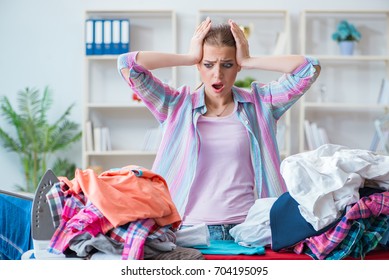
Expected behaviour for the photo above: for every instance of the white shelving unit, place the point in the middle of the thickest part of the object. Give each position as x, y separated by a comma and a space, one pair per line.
343, 100
108, 100
269, 33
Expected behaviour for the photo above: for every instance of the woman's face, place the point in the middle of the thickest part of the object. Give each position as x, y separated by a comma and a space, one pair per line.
218, 69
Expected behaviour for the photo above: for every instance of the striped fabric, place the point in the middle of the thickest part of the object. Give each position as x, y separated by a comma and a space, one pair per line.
59, 199
177, 110
76, 222
73, 214
359, 231
137, 234
58, 196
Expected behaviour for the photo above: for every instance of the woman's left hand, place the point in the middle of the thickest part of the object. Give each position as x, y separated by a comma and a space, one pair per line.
242, 45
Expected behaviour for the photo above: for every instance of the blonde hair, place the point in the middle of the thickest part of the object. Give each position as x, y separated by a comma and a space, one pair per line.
220, 35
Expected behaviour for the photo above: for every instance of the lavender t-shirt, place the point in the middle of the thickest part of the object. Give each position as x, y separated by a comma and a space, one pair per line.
223, 189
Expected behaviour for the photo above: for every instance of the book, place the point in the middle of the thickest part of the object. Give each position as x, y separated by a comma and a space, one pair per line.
382, 133
105, 139
316, 136
97, 139
98, 36
115, 37
89, 41
107, 38
124, 35
383, 98
89, 136
323, 136
309, 135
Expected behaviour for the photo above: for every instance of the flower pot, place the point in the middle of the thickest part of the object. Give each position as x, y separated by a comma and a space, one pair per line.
346, 47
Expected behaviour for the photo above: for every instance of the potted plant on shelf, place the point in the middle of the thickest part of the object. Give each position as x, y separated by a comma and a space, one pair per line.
35, 139
346, 35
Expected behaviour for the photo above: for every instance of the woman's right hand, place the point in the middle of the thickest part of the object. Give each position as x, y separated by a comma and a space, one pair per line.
196, 43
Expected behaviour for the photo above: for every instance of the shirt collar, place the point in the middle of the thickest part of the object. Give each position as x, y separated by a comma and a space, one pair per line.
198, 97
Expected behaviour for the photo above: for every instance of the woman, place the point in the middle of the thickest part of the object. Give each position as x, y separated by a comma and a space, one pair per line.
219, 151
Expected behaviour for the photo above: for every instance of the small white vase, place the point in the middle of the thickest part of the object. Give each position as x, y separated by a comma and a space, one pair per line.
346, 47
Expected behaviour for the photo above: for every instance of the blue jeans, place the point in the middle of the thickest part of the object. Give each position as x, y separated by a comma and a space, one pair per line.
219, 232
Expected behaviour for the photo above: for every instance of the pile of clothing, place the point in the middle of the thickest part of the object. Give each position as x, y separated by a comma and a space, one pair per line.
337, 205
126, 212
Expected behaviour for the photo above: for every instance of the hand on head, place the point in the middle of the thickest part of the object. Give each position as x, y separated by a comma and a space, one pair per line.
242, 45
196, 44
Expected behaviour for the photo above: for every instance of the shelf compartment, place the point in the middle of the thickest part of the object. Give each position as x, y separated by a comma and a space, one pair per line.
318, 26
347, 107
127, 126
342, 125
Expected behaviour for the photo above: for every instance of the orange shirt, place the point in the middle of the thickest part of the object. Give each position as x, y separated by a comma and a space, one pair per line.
123, 197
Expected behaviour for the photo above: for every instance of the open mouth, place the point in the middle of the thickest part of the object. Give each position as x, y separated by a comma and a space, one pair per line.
218, 86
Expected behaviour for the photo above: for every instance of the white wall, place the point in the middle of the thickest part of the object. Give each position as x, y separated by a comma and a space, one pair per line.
41, 43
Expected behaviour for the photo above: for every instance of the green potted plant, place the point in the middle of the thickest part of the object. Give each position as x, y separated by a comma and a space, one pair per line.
346, 35
34, 138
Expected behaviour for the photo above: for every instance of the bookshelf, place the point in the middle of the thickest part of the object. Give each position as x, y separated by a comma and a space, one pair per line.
108, 101
268, 33
344, 98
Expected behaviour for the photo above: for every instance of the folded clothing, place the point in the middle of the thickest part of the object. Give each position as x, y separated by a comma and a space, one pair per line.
229, 247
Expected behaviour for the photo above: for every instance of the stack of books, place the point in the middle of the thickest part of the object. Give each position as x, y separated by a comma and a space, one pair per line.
107, 36
98, 139
316, 136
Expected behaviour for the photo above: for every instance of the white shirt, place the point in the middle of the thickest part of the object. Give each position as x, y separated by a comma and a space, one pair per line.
324, 181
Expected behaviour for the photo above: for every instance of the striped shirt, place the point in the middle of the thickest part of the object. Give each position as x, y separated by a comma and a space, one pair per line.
73, 215
177, 110
359, 231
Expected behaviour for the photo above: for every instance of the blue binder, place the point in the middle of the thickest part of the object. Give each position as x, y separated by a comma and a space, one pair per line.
89, 41
107, 38
98, 36
124, 35
115, 47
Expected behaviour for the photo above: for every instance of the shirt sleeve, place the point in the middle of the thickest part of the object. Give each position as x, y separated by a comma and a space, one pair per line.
284, 92
155, 94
